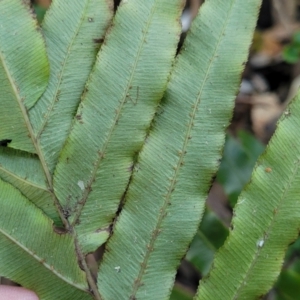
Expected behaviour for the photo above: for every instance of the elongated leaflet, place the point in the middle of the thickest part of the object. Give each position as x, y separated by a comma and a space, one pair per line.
166, 197
111, 123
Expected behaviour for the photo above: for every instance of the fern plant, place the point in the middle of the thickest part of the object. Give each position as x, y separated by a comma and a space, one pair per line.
118, 147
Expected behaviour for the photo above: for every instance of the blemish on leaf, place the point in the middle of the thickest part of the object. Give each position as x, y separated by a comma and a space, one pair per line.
91, 20
287, 113
80, 183
43, 260
130, 169
78, 117
260, 243
66, 212
101, 154
268, 170
103, 230
118, 269
98, 41
60, 230
81, 201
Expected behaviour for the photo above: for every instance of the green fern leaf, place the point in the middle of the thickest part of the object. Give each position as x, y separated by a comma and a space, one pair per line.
166, 197
27, 255
24, 171
113, 118
266, 221
71, 55
24, 72
73, 31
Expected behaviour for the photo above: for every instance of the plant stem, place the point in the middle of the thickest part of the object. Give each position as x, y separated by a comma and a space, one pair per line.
91, 281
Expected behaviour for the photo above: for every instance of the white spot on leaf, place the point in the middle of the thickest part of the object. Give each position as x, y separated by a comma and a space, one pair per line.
260, 243
118, 269
80, 183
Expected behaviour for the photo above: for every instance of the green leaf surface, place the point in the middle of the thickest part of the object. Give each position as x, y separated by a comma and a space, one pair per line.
24, 171
172, 176
33, 255
292, 250
267, 220
111, 123
291, 52
179, 293
24, 72
237, 163
40, 12
210, 236
288, 285
73, 31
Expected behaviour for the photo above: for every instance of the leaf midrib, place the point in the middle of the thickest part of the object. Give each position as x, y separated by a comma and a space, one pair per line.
162, 215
